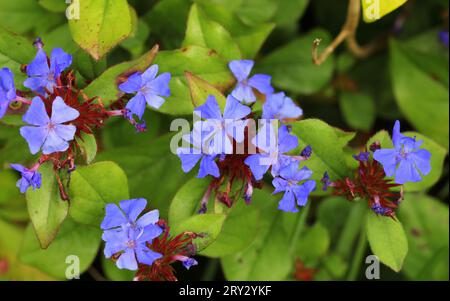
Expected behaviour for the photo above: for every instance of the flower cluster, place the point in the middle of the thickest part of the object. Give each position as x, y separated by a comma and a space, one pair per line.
58, 112
376, 179
143, 243
229, 148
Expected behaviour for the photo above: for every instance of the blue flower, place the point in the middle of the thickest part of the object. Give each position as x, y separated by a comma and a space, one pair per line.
294, 192
190, 156
150, 90
30, 177
274, 149
189, 262
217, 130
325, 181
126, 233
7, 90
244, 89
443, 37
279, 106
50, 134
362, 156
406, 159
41, 75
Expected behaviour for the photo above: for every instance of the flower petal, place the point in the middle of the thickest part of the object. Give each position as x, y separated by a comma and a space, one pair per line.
208, 167
244, 93
114, 217
302, 192
387, 158
407, 172
147, 256
234, 109
209, 110
132, 84
137, 105
65, 132
132, 208
241, 68
127, 261
61, 112
259, 165
149, 74
287, 203
54, 143
160, 85
421, 159
261, 82
59, 61
36, 113
154, 100
38, 66
188, 160
151, 217
35, 136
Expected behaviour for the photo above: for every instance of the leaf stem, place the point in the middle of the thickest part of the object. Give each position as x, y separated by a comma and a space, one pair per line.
360, 250
298, 230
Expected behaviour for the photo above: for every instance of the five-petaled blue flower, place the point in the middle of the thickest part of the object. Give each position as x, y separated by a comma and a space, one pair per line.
406, 159
190, 156
294, 191
30, 177
217, 130
274, 148
47, 133
7, 90
244, 89
150, 90
279, 106
128, 235
41, 75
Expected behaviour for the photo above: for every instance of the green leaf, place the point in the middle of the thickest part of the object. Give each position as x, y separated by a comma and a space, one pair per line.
89, 68
201, 89
289, 11
12, 203
249, 38
209, 225
153, 171
292, 68
56, 6
136, 42
374, 10
412, 86
313, 244
426, 222
266, 258
202, 62
13, 148
102, 24
105, 86
358, 110
46, 208
74, 240
438, 154
387, 240
94, 186
88, 146
201, 31
328, 148
256, 11
25, 16
9, 250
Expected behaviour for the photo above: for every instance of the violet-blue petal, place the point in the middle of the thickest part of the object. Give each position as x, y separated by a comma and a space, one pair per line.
150, 73
154, 100
127, 260
257, 165
261, 82
189, 262
132, 208
136, 105
38, 66
407, 172
244, 93
36, 113
132, 84
61, 112
59, 61
241, 68
208, 167
210, 109
114, 217
54, 143
302, 191
35, 137
234, 109
65, 131
421, 159
149, 218
188, 160
160, 85
287, 203
147, 256
387, 158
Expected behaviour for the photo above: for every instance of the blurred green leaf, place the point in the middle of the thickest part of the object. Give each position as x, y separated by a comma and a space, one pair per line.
10, 239
249, 38
333, 213
292, 68
46, 208
88, 146
112, 272
201, 89
266, 258
387, 240
201, 31
426, 225
420, 97
102, 24
74, 239
289, 11
94, 186
54, 5
12, 203
358, 110
313, 244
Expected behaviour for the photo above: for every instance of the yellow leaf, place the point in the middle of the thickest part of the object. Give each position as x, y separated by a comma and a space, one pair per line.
374, 10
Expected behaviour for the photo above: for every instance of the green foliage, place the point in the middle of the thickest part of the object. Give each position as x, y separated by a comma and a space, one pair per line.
358, 110
46, 208
387, 240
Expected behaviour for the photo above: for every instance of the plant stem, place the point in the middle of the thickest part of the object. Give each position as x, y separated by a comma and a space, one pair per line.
360, 251
298, 229
351, 229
